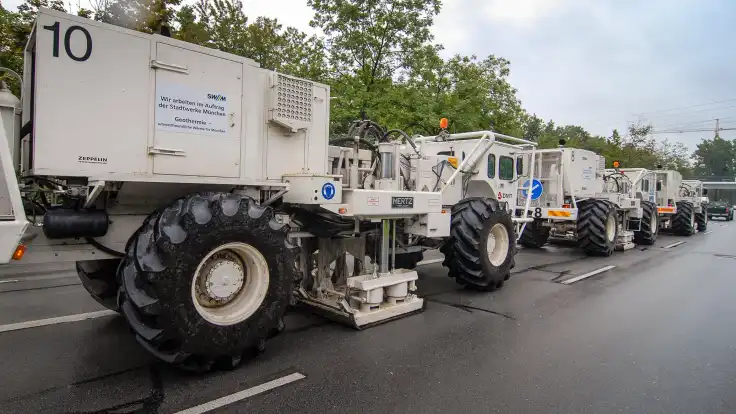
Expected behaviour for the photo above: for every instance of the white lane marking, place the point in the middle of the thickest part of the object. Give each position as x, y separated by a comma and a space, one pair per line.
673, 245
587, 275
53, 321
42, 277
707, 232
429, 261
725, 225
241, 395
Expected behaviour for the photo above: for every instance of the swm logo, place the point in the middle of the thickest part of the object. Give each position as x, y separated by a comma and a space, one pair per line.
216, 97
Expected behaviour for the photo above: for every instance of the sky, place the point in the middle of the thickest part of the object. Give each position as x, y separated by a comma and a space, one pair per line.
600, 64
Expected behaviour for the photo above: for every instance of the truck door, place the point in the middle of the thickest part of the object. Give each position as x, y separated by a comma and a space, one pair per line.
197, 113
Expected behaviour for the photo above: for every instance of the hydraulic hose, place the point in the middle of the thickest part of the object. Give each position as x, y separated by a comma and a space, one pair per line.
406, 137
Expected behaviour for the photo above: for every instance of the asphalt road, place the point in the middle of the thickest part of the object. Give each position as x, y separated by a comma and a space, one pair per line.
653, 334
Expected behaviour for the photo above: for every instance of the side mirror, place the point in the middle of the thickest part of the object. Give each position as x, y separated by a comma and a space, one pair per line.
659, 186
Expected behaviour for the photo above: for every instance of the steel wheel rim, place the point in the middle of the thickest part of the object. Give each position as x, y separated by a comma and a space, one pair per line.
230, 284
654, 223
497, 245
611, 228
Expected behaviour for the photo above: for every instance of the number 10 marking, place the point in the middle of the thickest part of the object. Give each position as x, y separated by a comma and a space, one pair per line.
68, 41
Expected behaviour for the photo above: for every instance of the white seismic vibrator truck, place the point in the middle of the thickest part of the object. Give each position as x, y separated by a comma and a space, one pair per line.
200, 195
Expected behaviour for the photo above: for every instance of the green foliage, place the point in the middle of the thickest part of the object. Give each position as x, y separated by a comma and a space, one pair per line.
142, 15
380, 61
222, 25
370, 43
11, 45
715, 158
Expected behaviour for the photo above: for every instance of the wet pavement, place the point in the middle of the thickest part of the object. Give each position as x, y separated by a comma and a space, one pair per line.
652, 334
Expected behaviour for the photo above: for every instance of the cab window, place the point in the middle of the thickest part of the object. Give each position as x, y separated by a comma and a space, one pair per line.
506, 168
519, 166
491, 165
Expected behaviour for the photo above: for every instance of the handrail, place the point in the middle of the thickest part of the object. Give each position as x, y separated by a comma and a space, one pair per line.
489, 138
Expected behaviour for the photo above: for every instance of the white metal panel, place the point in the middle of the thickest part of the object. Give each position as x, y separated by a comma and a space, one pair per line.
431, 225
101, 108
91, 99
285, 152
254, 125
580, 170
319, 131
197, 113
380, 203
313, 189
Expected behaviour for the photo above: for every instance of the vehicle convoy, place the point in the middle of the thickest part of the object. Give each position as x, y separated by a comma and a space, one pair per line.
720, 209
199, 194
680, 203
576, 198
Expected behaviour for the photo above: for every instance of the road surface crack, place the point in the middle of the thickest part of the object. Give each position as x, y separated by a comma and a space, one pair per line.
469, 308
147, 405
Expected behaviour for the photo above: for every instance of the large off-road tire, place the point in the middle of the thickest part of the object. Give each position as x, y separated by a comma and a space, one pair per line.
684, 222
480, 251
597, 227
207, 280
99, 278
535, 235
701, 220
649, 224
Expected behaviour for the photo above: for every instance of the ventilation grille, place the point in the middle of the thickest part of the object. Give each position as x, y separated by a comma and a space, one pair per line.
291, 101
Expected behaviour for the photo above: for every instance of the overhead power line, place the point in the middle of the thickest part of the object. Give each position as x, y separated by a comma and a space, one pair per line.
689, 112
684, 107
693, 124
685, 131
715, 130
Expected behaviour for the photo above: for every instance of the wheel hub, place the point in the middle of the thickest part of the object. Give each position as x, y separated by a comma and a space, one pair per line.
222, 277
497, 245
611, 228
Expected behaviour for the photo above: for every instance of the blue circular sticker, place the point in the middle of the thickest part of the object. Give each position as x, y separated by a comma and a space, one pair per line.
536, 189
328, 191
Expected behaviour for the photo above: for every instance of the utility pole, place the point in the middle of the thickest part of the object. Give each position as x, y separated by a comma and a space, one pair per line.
718, 127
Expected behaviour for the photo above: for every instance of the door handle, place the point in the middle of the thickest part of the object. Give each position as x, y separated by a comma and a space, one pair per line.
166, 151
156, 64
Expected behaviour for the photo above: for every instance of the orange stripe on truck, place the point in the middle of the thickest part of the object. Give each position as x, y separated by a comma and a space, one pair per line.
558, 213
665, 209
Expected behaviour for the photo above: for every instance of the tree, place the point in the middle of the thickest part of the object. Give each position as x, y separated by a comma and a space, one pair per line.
615, 138
143, 15
222, 25
674, 156
533, 128
11, 46
369, 42
715, 158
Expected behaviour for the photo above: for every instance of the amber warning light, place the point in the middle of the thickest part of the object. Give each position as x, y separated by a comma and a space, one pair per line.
443, 123
19, 252
616, 164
